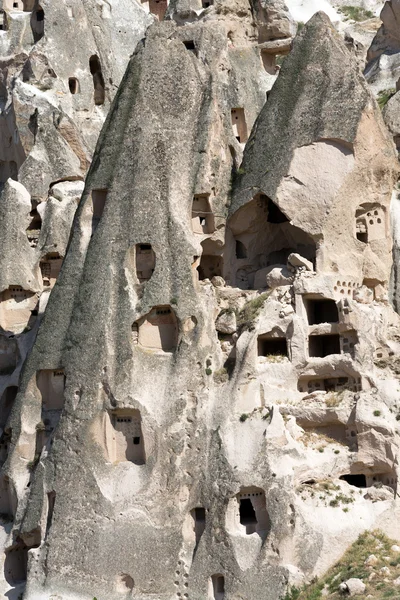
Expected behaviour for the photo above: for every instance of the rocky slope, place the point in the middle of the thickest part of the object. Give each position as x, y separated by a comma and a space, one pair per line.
206, 405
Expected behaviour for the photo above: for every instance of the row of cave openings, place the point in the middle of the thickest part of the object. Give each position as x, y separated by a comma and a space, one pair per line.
158, 8
268, 55
123, 428
37, 25
98, 81
325, 312
259, 236
19, 308
247, 515
320, 311
37, 15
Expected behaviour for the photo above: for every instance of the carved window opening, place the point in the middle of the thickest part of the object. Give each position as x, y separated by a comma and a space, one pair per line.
145, 262
98, 80
99, 197
217, 587
199, 518
239, 125
370, 222
158, 330
35, 226
189, 45
321, 311
158, 8
3, 21
50, 266
73, 85
202, 215
128, 437
272, 346
37, 23
323, 345
241, 251
51, 385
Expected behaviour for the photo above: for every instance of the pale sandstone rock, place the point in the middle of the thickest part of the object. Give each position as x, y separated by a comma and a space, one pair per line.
226, 323
352, 587
371, 560
395, 548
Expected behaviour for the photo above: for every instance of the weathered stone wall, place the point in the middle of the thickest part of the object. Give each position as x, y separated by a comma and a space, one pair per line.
215, 376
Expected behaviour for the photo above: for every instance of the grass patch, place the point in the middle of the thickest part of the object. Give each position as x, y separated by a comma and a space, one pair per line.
221, 375
355, 13
384, 97
251, 310
352, 564
333, 399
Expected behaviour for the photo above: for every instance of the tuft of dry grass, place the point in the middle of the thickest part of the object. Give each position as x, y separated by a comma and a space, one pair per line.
352, 564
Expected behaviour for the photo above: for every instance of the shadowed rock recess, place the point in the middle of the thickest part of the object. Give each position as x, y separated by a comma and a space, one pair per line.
201, 401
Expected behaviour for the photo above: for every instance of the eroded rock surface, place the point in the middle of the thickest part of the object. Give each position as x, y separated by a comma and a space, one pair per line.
215, 378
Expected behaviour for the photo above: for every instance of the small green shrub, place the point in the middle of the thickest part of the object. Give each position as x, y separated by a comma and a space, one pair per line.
356, 13
208, 371
251, 310
243, 417
384, 97
377, 413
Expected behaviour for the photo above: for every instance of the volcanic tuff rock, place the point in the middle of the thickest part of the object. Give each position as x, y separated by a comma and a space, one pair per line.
209, 407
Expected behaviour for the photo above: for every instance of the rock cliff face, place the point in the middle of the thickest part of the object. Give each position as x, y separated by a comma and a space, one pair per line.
208, 404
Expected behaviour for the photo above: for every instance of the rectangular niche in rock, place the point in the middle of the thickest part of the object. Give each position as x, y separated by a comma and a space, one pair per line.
158, 330
216, 588
145, 262
199, 518
158, 8
99, 198
321, 310
51, 385
323, 345
210, 266
128, 437
50, 266
271, 347
253, 515
370, 223
239, 125
202, 215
